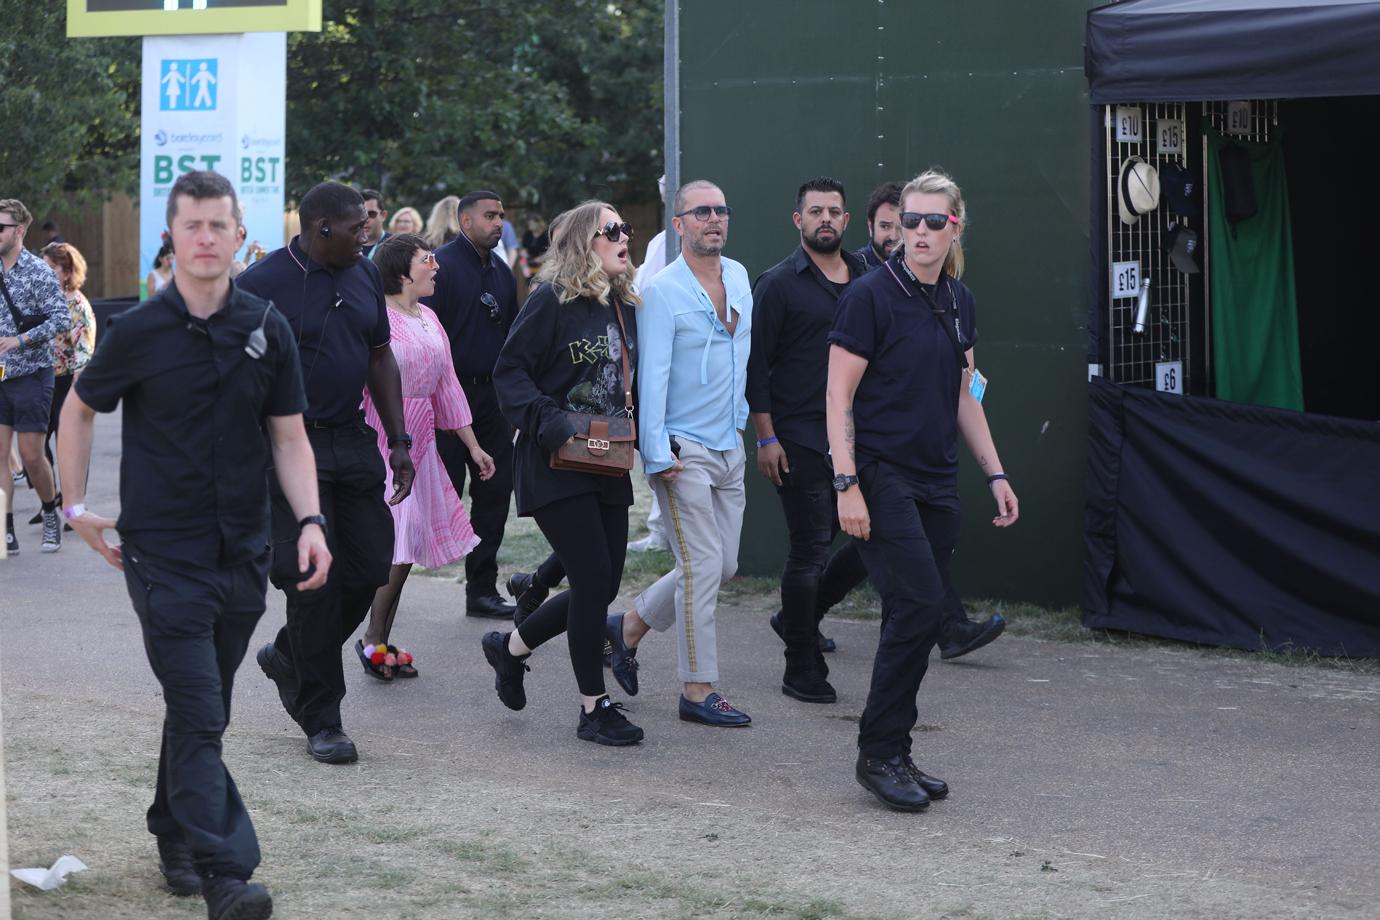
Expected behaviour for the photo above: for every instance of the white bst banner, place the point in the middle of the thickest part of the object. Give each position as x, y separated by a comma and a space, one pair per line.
213, 102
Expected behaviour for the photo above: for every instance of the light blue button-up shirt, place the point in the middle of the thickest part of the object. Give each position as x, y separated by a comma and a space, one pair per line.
691, 374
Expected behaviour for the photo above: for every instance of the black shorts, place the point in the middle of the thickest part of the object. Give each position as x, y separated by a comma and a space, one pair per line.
25, 402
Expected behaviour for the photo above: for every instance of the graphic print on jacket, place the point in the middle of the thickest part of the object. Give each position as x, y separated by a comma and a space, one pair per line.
600, 360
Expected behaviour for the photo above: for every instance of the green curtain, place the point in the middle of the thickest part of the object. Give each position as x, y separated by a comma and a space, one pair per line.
1255, 329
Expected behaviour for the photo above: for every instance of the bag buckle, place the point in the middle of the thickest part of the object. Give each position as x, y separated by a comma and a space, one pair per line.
598, 444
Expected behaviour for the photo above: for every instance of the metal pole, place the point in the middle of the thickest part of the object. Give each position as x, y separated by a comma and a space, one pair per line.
671, 121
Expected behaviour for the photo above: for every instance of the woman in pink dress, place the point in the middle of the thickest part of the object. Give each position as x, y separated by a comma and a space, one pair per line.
430, 527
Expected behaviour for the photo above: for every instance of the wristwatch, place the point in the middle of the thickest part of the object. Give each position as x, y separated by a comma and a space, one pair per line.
843, 482
317, 519
404, 439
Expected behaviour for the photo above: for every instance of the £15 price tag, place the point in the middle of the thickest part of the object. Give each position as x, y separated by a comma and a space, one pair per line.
1169, 136
1125, 279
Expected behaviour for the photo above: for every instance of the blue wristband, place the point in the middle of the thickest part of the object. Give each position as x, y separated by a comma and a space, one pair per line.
763, 442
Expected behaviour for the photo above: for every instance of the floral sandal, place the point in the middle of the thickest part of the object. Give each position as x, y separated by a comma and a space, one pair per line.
377, 661
403, 668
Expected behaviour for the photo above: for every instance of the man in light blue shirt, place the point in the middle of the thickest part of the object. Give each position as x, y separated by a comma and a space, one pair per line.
693, 334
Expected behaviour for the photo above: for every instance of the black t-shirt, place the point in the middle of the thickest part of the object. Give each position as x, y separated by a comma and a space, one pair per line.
338, 318
193, 444
905, 410
476, 333
562, 357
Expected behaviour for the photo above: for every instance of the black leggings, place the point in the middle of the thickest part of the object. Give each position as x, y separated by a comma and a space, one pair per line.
590, 540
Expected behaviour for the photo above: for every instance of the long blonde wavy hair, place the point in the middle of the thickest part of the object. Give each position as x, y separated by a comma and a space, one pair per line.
575, 269
937, 182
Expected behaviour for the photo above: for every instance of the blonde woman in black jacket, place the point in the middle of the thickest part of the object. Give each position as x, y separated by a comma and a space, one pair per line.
565, 354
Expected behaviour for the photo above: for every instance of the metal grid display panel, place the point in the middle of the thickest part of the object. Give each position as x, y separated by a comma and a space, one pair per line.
1168, 332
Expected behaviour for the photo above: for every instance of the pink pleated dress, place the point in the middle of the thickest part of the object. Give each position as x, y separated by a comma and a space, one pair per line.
430, 526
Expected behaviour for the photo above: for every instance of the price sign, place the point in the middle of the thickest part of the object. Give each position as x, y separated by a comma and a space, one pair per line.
1125, 280
1169, 377
1238, 118
1169, 136
1130, 124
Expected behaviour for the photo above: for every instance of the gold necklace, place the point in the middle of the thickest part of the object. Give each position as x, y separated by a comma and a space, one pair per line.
418, 316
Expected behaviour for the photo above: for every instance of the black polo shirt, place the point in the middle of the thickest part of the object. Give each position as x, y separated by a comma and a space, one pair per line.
793, 307
338, 318
193, 444
463, 278
905, 410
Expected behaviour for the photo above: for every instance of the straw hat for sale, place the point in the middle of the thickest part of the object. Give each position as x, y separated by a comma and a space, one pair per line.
1138, 189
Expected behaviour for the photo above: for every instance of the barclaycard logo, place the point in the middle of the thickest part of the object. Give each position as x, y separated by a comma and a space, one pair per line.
248, 142
160, 137
186, 138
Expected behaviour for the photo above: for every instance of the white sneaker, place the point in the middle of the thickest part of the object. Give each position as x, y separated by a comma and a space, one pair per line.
650, 542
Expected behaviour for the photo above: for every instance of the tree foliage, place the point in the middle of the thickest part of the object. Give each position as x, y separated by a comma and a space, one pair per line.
68, 107
545, 101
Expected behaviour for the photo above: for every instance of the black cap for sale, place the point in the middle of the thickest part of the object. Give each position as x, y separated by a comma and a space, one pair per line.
1181, 190
1182, 245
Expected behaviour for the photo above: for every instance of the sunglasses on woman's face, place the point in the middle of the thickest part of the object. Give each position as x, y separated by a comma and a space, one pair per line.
613, 231
911, 219
428, 260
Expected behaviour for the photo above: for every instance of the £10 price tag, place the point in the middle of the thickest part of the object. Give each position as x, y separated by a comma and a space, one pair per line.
1130, 124
1238, 118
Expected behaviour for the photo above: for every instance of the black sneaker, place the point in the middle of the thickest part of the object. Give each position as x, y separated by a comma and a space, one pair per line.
11, 543
825, 643
934, 787
622, 659
175, 862
52, 532
508, 669
607, 725
234, 899
890, 781
278, 668
523, 588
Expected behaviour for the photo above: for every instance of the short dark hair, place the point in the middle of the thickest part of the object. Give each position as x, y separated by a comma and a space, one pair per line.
886, 193
328, 201
819, 184
473, 198
678, 202
49, 225
202, 185
394, 259
374, 195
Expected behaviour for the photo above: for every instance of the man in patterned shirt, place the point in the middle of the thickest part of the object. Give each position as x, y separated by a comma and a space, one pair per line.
32, 294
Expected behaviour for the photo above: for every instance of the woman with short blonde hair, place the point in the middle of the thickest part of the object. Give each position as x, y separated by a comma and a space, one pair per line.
406, 220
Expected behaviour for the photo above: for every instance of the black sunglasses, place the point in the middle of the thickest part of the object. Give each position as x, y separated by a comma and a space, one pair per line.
488, 300
4, 227
704, 210
911, 219
613, 231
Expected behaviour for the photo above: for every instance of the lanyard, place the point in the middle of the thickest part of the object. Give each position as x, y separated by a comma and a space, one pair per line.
947, 318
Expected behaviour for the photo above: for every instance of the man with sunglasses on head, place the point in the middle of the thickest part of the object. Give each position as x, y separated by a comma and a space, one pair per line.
333, 300
34, 311
694, 333
476, 302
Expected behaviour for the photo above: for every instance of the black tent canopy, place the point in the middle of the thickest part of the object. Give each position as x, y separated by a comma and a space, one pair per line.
1217, 50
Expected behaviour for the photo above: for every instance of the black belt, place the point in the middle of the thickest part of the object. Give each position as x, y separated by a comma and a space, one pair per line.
470, 378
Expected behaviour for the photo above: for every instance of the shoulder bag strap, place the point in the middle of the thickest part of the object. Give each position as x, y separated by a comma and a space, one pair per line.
627, 374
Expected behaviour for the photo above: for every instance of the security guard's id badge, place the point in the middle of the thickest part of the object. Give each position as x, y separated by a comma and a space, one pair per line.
977, 384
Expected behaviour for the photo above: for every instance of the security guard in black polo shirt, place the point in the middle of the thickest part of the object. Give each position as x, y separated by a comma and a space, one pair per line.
204, 371
476, 301
333, 300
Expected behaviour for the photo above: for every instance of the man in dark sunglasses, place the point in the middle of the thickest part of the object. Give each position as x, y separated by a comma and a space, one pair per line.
377, 218
476, 301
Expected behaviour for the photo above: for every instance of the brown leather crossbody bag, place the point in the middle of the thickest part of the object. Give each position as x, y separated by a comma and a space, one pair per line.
603, 444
